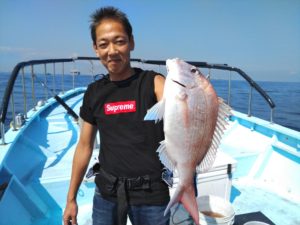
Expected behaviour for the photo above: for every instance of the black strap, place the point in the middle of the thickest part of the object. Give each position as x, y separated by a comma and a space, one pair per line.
125, 184
122, 203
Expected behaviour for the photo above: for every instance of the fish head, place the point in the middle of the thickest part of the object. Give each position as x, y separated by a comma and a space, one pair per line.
183, 73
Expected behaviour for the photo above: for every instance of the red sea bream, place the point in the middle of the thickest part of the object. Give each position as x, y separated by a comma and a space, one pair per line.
194, 120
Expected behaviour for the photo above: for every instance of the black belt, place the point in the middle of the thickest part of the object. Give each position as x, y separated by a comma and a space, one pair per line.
112, 186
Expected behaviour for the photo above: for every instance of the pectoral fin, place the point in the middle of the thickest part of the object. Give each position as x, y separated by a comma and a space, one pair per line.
156, 112
163, 156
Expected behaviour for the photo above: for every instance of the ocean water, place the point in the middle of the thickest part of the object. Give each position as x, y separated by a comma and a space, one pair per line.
286, 96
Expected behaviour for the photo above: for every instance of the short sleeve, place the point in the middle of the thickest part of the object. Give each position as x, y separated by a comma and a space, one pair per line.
86, 110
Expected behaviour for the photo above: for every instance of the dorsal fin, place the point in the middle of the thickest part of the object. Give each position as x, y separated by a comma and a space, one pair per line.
223, 115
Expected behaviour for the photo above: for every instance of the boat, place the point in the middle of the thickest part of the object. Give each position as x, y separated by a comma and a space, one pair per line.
256, 170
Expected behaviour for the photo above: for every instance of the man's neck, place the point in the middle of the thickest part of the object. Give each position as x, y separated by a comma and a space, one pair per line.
121, 76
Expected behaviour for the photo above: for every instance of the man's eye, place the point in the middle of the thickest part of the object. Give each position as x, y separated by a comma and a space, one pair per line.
102, 45
120, 42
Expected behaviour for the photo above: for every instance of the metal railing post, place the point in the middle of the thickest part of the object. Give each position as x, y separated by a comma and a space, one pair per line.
209, 74
92, 69
46, 85
13, 112
229, 90
63, 79
53, 79
24, 93
272, 114
73, 71
32, 88
250, 102
2, 133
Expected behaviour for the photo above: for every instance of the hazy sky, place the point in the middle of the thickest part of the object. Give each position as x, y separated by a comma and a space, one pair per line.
261, 37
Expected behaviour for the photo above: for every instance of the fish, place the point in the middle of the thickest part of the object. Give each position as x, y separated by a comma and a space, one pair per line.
194, 119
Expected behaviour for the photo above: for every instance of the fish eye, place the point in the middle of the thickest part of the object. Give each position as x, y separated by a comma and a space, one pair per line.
194, 70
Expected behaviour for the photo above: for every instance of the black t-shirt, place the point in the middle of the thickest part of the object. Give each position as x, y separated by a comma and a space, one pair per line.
127, 143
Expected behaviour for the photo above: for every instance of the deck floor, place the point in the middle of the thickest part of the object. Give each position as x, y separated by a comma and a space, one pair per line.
254, 196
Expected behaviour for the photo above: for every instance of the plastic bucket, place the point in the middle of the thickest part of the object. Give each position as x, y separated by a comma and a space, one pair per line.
214, 210
256, 223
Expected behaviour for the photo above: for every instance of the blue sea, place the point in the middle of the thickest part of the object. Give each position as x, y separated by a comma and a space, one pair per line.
286, 96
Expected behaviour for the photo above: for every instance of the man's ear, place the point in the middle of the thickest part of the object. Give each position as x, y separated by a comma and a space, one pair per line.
96, 50
131, 43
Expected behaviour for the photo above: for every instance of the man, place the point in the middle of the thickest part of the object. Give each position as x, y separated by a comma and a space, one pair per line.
129, 179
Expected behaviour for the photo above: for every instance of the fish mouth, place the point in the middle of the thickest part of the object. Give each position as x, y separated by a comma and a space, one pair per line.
179, 83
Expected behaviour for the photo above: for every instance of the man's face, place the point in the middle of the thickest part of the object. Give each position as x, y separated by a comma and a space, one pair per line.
113, 46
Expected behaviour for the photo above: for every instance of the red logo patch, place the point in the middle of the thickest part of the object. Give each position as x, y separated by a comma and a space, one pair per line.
119, 107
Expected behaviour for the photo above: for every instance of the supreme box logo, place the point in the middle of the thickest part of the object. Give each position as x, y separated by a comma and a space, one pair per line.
119, 107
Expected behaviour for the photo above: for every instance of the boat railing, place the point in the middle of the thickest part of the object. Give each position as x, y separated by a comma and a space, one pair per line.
19, 70
225, 67
8, 97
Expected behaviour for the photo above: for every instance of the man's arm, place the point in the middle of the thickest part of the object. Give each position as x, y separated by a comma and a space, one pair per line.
159, 82
81, 160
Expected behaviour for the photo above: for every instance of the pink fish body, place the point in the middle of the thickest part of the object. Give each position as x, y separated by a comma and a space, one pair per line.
193, 123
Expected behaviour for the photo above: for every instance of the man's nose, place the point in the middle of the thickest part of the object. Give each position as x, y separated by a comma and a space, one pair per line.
112, 49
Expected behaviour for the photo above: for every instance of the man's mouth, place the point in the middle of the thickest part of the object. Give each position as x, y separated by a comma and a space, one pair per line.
114, 60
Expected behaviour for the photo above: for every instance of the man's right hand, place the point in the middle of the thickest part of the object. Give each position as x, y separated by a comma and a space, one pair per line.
70, 213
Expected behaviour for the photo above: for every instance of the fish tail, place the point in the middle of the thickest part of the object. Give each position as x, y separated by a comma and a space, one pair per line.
185, 195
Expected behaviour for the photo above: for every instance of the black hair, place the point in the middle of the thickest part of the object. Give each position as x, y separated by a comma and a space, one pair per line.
109, 13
